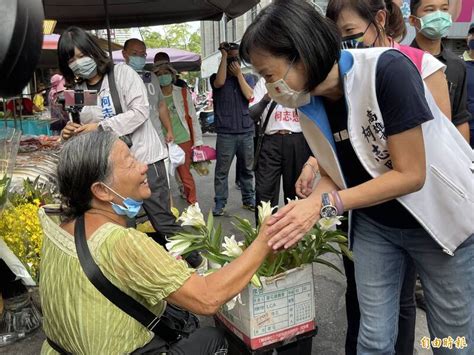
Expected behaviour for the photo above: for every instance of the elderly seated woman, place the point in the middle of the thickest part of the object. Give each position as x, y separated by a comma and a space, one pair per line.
98, 179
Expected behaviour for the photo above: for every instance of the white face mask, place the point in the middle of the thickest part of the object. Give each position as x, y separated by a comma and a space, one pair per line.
286, 96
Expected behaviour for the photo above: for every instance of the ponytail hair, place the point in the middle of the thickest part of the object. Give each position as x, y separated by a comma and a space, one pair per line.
395, 23
368, 9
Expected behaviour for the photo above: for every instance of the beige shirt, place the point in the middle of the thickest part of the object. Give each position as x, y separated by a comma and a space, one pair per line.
134, 120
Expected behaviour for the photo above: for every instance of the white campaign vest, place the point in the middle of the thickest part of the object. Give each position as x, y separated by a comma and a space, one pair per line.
445, 204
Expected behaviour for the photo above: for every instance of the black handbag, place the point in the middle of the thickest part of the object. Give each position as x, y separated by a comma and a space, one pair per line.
174, 324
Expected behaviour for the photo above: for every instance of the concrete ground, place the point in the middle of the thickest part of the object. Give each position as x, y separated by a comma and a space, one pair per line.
329, 285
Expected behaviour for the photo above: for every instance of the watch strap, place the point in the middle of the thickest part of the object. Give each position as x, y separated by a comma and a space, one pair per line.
326, 201
338, 202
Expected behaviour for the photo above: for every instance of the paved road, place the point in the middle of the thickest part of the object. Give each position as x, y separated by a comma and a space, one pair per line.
329, 285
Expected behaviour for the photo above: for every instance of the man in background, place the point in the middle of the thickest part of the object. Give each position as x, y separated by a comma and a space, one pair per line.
234, 127
432, 21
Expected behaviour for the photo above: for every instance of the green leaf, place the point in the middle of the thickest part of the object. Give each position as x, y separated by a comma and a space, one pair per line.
345, 250
190, 249
219, 259
210, 221
217, 242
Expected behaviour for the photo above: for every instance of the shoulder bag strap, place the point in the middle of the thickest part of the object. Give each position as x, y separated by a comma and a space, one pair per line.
123, 301
116, 102
114, 92
262, 134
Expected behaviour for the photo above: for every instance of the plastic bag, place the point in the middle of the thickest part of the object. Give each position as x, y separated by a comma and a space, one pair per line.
176, 157
204, 153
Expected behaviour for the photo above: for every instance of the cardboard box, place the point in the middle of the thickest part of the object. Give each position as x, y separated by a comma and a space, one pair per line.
281, 309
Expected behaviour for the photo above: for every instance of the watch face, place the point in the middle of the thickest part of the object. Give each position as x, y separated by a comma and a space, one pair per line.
328, 212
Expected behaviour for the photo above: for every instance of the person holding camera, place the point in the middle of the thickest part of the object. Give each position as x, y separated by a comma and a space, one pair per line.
234, 127
122, 107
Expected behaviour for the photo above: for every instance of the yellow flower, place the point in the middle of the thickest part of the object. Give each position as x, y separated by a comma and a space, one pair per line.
21, 230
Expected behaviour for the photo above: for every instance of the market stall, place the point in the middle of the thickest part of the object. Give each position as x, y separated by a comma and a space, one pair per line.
27, 180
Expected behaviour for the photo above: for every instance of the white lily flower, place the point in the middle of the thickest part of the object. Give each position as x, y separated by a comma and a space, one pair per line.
329, 223
231, 303
290, 200
176, 247
264, 210
192, 216
231, 247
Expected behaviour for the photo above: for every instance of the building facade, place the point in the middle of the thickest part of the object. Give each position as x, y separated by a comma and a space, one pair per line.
214, 32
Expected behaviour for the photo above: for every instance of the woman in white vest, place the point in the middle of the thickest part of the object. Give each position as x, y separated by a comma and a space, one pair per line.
380, 23
388, 155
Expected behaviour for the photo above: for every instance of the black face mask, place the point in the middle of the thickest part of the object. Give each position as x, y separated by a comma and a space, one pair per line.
353, 41
357, 40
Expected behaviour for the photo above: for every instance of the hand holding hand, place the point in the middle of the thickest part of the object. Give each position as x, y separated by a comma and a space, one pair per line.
292, 222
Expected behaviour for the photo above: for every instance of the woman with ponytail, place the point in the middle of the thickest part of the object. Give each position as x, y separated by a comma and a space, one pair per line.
379, 23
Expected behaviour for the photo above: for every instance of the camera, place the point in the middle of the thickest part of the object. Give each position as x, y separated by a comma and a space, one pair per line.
75, 100
80, 97
229, 46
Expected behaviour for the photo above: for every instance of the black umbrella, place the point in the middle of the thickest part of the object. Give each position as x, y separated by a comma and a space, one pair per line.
91, 14
98, 14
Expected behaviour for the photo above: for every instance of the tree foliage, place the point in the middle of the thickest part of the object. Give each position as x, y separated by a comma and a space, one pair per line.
179, 36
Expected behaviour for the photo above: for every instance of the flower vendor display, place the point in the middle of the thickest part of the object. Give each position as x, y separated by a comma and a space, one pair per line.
279, 302
20, 242
9, 143
21, 231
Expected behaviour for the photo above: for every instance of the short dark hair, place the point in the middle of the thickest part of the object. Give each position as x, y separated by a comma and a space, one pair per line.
161, 56
367, 9
84, 160
294, 30
414, 5
76, 37
131, 40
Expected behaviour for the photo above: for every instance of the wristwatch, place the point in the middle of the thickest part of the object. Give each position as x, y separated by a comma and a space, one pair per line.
327, 210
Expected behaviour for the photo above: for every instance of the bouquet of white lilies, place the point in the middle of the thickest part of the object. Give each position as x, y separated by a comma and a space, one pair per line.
220, 250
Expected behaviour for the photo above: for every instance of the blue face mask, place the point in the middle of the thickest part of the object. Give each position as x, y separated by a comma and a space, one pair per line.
129, 207
137, 63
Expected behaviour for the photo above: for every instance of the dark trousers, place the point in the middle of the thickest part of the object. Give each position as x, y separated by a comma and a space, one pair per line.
158, 209
281, 156
204, 341
406, 319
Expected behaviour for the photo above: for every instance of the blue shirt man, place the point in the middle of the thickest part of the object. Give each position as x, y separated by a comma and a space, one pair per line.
234, 127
